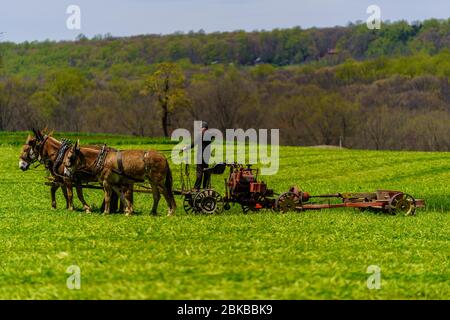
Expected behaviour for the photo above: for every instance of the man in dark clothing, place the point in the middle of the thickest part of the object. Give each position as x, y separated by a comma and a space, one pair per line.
203, 164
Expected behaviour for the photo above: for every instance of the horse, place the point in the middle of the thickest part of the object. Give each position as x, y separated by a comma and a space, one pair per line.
115, 169
35, 149
28, 156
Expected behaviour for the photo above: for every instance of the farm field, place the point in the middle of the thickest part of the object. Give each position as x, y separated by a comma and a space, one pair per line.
265, 255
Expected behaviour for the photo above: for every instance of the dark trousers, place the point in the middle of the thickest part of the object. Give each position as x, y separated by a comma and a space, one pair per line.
200, 174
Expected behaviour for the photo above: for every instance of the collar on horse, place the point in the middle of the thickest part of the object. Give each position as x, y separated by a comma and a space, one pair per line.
100, 161
65, 145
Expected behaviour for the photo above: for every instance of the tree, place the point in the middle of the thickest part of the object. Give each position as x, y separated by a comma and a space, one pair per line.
167, 85
229, 95
68, 87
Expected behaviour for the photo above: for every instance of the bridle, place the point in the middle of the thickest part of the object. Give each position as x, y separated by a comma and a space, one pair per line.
29, 159
81, 166
39, 147
36, 151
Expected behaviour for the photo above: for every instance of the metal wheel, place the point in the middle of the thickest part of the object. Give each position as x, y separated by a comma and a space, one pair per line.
252, 205
288, 201
402, 203
246, 208
188, 205
208, 201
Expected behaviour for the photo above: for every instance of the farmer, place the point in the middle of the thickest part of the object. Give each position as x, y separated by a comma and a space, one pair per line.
200, 169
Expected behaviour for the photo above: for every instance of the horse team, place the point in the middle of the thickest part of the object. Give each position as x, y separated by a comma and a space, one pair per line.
70, 165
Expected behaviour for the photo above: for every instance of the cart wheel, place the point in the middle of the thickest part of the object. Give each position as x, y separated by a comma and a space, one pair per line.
188, 205
288, 201
402, 203
256, 203
208, 201
247, 208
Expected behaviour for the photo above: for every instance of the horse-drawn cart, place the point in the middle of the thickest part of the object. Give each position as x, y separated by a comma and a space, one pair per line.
243, 188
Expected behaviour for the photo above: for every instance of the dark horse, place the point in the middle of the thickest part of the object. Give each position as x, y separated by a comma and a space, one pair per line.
116, 169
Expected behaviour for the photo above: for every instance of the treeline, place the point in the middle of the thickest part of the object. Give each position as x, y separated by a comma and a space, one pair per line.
280, 47
386, 89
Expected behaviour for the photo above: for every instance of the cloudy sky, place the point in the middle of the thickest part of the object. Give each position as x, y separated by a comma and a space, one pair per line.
30, 20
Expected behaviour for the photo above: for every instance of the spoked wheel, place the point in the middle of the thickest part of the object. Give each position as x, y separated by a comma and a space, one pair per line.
402, 203
188, 205
246, 208
208, 201
256, 203
288, 201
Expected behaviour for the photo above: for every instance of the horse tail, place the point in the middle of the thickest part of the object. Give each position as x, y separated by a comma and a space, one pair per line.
169, 181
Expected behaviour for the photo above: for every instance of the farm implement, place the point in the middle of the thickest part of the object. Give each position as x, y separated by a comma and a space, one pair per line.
243, 188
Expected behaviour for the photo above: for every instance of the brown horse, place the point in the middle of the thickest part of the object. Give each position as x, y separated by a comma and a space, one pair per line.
28, 156
46, 149
124, 168
31, 152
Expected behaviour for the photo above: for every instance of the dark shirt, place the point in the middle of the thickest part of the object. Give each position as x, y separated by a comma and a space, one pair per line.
202, 146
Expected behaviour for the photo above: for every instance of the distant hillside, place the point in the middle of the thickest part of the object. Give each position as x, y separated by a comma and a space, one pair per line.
278, 47
380, 89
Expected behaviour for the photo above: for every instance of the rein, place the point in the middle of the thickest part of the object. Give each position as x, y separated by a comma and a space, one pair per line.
46, 162
40, 147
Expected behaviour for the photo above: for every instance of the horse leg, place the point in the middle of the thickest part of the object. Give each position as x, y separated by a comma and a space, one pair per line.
113, 203
156, 197
108, 191
64, 191
81, 197
69, 196
168, 195
53, 190
123, 199
128, 192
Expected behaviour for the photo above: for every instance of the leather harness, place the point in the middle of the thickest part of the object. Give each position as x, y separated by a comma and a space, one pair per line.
65, 145
121, 172
100, 161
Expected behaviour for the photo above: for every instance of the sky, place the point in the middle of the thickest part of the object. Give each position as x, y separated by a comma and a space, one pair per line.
29, 20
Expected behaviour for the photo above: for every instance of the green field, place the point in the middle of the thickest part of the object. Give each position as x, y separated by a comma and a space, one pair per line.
311, 255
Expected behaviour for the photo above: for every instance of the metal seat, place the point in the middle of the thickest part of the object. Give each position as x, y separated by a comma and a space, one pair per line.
218, 168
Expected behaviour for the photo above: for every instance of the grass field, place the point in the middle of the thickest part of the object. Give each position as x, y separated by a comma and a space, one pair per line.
311, 255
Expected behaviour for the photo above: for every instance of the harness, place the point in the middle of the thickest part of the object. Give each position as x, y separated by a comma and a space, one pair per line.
100, 161
39, 147
65, 145
121, 171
